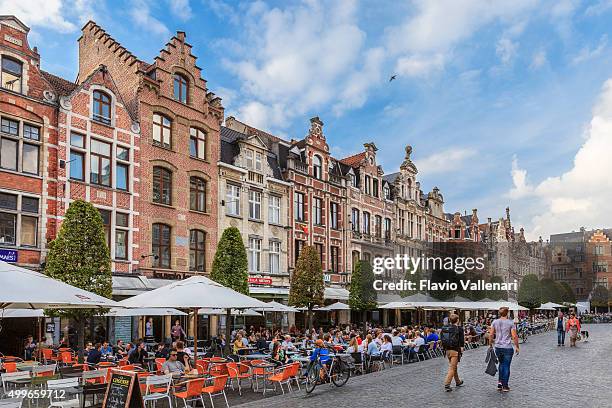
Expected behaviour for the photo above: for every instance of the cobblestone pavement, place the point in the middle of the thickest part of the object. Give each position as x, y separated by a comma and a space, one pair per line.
542, 375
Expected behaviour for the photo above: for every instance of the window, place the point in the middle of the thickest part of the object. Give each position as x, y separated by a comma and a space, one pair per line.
161, 245
410, 224
368, 187
11, 74
387, 192
248, 154
100, 163
197, 194
162, 185
102, 107
197, 252
317, 167
299, 206
8, 228
180, 88
18, 220
366, 222
419, 227
77, 157
122, 168
333, 214
106, 222
29, 231
387, 228
12, 148
355, 220
402, 222
232, 206
319, 248
121, 235
335, 259
354, 180
274, 204
254, 255
254, 205
375, 187
316, 211
258, 161
378, 226
274, 256
298, 248
197, 143
162, 131
598, 250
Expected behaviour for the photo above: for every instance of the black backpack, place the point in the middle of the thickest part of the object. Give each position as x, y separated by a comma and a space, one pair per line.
451, 337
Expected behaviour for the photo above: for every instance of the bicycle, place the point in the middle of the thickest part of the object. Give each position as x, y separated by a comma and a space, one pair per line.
338, 372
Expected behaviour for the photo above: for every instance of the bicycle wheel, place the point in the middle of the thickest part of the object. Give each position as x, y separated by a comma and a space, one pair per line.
312, 378
340, 374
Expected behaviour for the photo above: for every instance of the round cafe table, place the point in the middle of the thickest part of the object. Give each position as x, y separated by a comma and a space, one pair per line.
268, 370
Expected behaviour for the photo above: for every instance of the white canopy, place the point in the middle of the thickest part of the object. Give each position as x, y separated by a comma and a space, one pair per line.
25, 289
9, 313
278, 307
440, 305
235, 312
550, 306
336, 306
145, 311
194, 292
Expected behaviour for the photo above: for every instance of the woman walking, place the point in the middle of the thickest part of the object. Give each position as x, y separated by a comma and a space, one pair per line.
573, 327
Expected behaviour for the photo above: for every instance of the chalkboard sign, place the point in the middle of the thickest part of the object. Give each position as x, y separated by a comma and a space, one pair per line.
123, 391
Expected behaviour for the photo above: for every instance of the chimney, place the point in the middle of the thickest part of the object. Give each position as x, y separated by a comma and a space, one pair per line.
181, 36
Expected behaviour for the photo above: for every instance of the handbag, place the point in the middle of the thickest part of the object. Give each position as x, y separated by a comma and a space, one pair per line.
491, 360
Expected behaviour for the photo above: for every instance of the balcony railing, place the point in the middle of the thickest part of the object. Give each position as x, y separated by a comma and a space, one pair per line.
256, 177
300, 167
334, 179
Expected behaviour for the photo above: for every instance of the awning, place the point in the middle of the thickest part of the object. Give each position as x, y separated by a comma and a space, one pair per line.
336, 294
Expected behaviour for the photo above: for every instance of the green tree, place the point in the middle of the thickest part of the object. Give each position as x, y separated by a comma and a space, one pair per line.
550, 291
80, 257
497, 294
362, 295
600, 297
230, 269
307, 287
567, 294
530, 292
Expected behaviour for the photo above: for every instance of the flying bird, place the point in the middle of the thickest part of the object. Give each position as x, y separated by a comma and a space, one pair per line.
392, 77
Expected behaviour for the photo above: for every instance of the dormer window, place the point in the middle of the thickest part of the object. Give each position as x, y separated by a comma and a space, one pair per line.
317, 168
180, 88
387, 192
102, 107
11, 74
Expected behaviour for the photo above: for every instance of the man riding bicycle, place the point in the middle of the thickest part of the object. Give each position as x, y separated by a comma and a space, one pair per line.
322, 353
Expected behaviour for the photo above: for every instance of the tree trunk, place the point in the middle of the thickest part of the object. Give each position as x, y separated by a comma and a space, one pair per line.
228, 332
81, 338
364, 320
310, 319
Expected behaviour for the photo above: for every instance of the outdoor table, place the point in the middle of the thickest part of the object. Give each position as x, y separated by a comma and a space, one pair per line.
256, 356
27, 365
268, 369
20, 381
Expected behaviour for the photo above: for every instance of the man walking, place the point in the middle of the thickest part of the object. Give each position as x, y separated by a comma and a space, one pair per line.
453, 342
502, 335
560, 323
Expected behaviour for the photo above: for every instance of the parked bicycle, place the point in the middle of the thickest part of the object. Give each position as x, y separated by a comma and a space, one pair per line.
338, 372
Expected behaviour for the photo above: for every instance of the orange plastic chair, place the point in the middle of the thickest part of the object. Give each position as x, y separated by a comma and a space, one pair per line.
235, 374
293, 374
282, 377
218, 369
218, 388
105, 364
204, 364
47, 355
128, 367
123, 362
193, 391
66, 358
10, 367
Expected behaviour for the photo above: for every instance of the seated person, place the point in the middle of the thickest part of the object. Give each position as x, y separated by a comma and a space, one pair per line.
372, 351
288, 344
106, 349
138, 355
173, 365
183, 357
238, 344
432, 337
278, 356
162, 351
260, 342
94, 355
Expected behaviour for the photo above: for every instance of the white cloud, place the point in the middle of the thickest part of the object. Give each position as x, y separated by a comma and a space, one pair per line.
598, 8
538, 60
445, 161
180, 9
506, 50
587, 53
39, 13
141, 16
582, 195
519, 180
420, 65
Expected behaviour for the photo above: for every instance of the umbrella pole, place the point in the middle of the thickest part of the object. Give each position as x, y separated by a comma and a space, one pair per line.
195, 336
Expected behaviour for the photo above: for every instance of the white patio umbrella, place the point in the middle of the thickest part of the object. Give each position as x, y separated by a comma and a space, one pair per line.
550, 306
336, 306
22, 288
235, 312
278, 307
196, 292
145, 311
10, 313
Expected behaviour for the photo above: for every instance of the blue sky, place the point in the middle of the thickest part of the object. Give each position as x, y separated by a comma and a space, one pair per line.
505, 103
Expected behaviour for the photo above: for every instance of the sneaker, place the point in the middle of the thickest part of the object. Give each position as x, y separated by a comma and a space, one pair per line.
459, 384
506, 389
447, 388
499, 386
558, 345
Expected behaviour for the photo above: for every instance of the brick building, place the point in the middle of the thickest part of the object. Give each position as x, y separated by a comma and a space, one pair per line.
599, 257
179, 124
28, 149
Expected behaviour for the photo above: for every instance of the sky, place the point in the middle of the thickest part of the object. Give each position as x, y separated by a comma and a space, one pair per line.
505, 103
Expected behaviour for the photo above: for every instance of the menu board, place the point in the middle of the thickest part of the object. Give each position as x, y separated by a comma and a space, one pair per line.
123, 391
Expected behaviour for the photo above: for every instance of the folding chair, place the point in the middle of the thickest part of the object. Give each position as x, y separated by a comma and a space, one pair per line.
63, 384
359, 364
157, 387
94, 376
193, 392
8, 377
218, 388
397, 352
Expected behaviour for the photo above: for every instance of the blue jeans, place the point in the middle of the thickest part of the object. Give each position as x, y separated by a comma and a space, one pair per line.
560, 336
504, 355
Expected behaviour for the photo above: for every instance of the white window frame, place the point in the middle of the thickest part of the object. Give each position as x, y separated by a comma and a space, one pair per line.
255, 204
274, 256
232, 196
254, 255
274, 209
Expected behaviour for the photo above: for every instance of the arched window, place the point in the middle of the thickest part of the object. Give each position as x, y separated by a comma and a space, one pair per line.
197, 143
180, 88
161, 245
102, 107
162, 131
317, 167
197, 194
197, 252
162, 185
11, 74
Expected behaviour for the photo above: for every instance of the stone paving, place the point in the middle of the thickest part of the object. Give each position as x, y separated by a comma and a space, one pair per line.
542, 375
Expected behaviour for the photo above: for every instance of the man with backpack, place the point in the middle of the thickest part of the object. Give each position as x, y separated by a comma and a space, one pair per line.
453, 342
